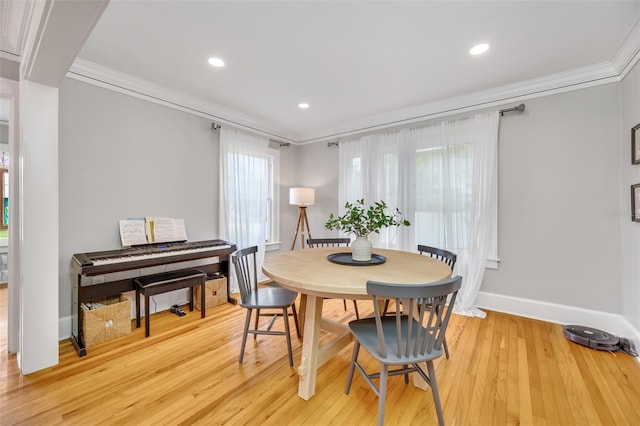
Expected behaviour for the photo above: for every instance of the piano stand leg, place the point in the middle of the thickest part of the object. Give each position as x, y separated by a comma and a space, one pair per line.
80, 349
147, 315
203, 289
137, 308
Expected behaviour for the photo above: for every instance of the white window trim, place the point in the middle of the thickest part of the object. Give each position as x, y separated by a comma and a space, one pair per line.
274, 243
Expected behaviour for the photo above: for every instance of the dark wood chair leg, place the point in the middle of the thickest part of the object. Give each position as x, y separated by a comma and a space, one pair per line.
202, 299
137, 308
147, 315
295, 320
355, 306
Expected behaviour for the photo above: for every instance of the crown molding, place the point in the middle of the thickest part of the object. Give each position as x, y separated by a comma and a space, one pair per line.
628, 53
557, 83
9, 56
625, 58
108, 78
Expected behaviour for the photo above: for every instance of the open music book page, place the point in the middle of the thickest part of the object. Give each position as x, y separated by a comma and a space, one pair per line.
165, 230
133, 232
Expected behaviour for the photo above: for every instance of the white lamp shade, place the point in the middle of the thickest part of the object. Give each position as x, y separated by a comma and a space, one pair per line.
302, 196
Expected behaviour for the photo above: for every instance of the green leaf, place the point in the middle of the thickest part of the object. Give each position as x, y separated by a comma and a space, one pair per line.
361, 222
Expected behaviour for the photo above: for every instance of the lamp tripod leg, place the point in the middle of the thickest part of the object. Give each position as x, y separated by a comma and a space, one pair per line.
295, 237
305, 222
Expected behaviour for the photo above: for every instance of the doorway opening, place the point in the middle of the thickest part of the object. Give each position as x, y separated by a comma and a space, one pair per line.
4, 222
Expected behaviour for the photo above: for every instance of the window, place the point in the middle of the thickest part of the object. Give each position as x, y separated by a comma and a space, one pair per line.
443, 196
442, 177
444, 199
272, 231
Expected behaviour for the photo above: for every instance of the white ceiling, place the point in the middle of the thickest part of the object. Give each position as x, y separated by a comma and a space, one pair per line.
358, 63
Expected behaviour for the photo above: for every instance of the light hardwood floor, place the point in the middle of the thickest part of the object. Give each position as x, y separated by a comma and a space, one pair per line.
503, 370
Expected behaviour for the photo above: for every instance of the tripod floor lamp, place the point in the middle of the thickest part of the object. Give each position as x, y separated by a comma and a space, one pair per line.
302, 197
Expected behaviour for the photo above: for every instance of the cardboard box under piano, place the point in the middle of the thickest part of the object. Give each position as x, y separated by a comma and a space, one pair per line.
215, 292
105, 320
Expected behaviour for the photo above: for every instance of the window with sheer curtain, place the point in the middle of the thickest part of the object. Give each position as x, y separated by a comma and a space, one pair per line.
272, 228
443, 196
443, 177
244, 192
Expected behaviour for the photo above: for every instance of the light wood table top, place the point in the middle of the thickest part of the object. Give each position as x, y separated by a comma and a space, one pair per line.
310, 273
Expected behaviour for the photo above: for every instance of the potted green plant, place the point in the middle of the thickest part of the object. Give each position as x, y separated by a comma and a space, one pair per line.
362, 221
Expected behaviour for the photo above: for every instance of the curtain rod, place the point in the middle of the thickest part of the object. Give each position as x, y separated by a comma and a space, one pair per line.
218, 126
518, 108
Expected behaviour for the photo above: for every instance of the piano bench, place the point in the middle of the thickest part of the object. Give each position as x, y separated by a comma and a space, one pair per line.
151, 285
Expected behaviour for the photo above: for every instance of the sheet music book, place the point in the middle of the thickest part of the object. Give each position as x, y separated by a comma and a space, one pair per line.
151, 230
165, 230
132, 232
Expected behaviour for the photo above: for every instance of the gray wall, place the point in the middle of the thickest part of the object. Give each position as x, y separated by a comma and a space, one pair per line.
319, 166
122, 157
315, 166
4, 135
558, 182
630, 231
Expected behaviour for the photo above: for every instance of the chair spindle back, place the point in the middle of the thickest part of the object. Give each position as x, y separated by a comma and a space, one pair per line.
442, 255
422, 317
244, 262
328, 242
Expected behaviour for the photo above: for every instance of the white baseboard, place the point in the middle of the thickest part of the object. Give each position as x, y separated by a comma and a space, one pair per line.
64, 328
559, 314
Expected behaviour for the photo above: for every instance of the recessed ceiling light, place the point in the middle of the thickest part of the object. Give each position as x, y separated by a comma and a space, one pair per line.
303, 105
479, 49
216, 62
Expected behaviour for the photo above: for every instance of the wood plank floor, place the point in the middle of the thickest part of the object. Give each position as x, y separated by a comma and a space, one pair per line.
503, 370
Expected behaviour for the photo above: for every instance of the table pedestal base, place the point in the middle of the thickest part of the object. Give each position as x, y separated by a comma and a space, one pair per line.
314, 355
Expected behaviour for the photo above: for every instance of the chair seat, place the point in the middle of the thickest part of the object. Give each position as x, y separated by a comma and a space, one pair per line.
365, 332
401, 340
254, 298
271, 297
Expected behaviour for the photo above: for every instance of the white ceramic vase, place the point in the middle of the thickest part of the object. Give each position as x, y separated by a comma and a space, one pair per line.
361, 249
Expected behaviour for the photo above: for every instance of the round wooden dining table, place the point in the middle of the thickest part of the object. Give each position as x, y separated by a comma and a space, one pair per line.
310, 273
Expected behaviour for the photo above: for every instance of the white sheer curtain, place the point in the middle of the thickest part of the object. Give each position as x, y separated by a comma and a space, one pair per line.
463, 175
443, 177
369, 168
243, 191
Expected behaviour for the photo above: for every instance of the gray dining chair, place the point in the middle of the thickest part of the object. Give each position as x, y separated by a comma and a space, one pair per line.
334, 242
269, 298
447, 257
442, 255
407, 338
